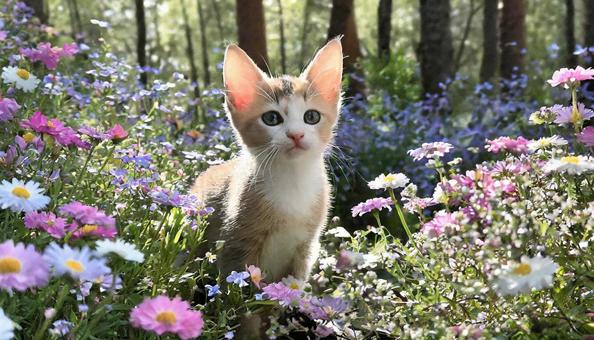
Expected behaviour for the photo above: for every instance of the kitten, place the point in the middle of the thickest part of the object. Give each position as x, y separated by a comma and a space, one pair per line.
271, 202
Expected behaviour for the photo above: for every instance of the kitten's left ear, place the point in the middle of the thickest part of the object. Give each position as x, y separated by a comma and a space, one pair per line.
324, 72
241, 77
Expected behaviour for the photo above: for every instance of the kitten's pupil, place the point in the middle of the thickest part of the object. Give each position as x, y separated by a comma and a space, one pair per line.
311, 117
272, 118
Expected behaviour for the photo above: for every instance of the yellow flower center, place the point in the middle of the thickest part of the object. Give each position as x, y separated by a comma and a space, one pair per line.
89, 228
10, 265
23, 74
294, 285
167, 317
28, 137
75, 266
571, 160
389, 178
50, 124
522, 269
21, 192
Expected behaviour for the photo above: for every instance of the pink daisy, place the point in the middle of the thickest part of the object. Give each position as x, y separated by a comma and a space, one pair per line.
89, 221
281, 293
46, 221
570, 76
8, 107
519, 145
117, 133
586, 137
565, 116
49, 55
164, 315
437, 225
431, 150
21, 267
378, 203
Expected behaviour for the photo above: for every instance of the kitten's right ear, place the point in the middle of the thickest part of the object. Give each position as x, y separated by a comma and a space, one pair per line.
240, 76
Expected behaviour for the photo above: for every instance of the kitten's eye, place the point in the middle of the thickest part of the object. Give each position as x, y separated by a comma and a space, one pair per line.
311, 117
272, 118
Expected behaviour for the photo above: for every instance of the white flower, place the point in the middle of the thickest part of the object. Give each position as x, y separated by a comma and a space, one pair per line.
20, 196
293, 283
125, 250
393, 181
546, 142
6, 327
570, 164
21, 78
531, 273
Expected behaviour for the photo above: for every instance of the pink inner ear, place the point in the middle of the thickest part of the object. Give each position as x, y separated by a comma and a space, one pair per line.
325, 71
241, 76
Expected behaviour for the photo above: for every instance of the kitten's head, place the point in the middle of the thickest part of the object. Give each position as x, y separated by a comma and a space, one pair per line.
295, 116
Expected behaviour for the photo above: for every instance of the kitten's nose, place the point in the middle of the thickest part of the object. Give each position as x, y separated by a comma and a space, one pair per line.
296, 136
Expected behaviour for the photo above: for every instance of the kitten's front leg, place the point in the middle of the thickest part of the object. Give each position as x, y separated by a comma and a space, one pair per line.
304, 258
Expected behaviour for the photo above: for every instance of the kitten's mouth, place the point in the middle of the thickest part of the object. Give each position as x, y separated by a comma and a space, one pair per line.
296, 148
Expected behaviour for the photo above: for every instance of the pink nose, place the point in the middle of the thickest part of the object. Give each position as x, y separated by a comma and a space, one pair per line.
295, 136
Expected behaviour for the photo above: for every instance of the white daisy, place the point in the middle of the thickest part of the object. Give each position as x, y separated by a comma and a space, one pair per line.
531, 273
393, 181
6, 327
20, 77
293, 283
20, 196
570, 164
125, 250
546, 142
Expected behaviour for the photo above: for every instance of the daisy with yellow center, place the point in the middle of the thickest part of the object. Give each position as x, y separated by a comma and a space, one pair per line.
162, 314
393, 181
570, 164
546, 142
21, 267
21, 78
19, 196
80, 264
530, 273
293, 283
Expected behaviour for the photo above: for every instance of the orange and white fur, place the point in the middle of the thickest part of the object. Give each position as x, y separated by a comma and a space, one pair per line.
271, 202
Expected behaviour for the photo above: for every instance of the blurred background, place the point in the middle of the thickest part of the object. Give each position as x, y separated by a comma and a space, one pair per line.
460, 71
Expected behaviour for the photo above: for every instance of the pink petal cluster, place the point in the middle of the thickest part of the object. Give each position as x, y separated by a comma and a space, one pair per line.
377, 203
8, 107
586, 137
21, 267
89, 221
437, 225
48, 222
281, 293
564, 113
116, 133
62, 134
519, 145
431, 150
48, 55
570, 76
164, 315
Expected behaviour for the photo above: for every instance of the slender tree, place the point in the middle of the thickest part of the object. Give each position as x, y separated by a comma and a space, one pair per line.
251, 30
218, 19
158, 50
141, 38
589, 25
190, 50
384, 28
39, 10
204, 43
281, 28
570, 32
342, 23
473, 10
304, 31
435, 51
490, 48
513, 37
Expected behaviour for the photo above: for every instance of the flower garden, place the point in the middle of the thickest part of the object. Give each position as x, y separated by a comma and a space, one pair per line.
99, 237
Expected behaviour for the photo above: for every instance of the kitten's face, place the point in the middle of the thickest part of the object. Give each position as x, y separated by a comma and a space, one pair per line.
287, 117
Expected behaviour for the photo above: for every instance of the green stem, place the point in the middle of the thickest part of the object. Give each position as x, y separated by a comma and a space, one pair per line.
84, 168
41, 331
106, 160
402, 219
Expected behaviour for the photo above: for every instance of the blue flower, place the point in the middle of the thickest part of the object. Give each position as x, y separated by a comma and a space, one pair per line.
238, 278
213, 290
229, 335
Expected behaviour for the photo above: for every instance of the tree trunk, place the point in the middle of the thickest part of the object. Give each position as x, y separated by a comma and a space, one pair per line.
218, 18
38, 10
342, 22
304, 31
141, 39
513, 37
190, 51
436, 50
570, 33
204, 44
251, 30
281, 28
490, 51
384, 28
589, 26
158, 48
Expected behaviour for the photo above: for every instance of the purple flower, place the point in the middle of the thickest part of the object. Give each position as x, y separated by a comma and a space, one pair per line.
61, 327
46, 221
48, 55
213, 290
281, 293
89, 221
323, 309
586, 137
238, 278
437, 225
371, 204
565, 113
519, 145
21, 267
8, 107
430, 150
